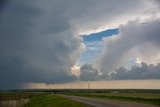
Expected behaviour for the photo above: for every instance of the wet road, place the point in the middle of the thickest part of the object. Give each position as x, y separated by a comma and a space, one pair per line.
107, 103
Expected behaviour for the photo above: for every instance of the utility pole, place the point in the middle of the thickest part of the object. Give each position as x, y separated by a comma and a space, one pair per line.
71, 89
88, 85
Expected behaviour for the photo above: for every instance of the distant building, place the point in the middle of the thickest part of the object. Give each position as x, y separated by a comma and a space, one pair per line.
114, 92
131, 92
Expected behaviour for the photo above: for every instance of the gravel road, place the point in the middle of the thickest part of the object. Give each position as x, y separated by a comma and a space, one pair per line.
107, 103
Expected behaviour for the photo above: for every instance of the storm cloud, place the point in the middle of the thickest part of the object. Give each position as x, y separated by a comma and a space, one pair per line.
137, 72
36, 44
90, 73
40, 41
135, 40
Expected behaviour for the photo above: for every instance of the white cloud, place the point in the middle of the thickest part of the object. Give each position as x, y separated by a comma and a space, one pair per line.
135, 40
138, 60
75, 70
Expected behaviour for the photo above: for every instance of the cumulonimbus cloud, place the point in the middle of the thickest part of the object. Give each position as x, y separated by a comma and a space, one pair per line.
39, 39
135, 40
37, 44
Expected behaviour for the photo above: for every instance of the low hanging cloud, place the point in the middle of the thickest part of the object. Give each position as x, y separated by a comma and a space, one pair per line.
137, 72
144, 71
90, 73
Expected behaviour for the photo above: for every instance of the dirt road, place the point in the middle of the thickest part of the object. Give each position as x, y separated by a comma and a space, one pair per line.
107, 103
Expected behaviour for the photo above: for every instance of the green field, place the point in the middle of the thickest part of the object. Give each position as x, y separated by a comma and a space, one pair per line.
53, 101
26, 99
140, 96
49, 98
16, 99
17, 95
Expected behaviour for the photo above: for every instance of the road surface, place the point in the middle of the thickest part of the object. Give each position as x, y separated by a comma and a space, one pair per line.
107, 103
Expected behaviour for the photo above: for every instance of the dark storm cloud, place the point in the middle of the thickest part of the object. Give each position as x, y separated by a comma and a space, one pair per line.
2, 5
90, 73
39, 39
142, 72
138, 72
36, 44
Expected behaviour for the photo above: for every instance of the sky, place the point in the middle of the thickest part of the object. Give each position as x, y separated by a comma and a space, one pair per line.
94, 45
51, 43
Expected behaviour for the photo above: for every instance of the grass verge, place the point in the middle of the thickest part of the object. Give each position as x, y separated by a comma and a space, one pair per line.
53, 101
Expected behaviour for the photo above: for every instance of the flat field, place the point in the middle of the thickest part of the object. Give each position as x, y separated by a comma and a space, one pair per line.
49, 98
15, 99
53, 101
140, 96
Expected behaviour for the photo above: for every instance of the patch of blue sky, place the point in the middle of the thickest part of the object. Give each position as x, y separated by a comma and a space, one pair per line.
94, 45
98, 36
93, 50
88, 57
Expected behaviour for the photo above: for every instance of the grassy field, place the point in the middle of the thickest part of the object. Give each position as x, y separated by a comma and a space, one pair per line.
140, 96
16, 99
40, 99
53, 101
48, 98
16, 95
125, 97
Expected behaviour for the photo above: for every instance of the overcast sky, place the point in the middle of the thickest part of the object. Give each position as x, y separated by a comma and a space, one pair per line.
62, 41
